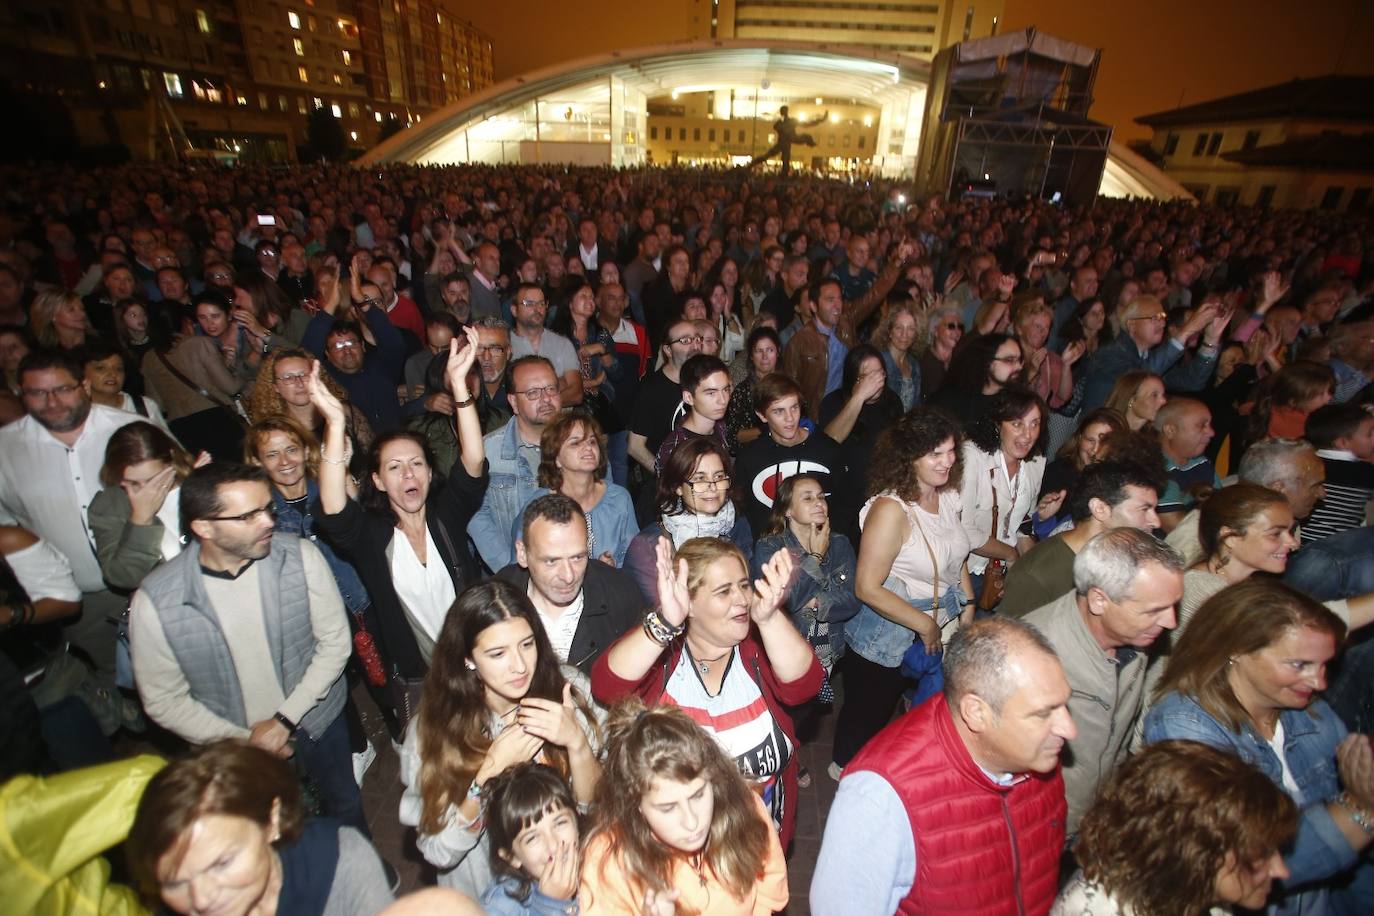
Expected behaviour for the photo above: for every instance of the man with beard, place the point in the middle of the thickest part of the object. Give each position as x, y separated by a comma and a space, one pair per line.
243, 635
49, 472
513, 456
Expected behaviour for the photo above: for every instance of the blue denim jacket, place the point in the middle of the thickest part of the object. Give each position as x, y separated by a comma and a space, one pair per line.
302, 524
1310, 737
513, 484
830, 581
883, 642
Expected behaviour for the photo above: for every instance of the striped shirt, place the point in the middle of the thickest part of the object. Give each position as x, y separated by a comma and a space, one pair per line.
1349, 488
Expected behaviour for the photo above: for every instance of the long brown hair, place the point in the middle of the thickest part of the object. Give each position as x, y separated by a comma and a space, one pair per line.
1102, 416
551, 442
281, 423
1232, 509
1238, 620
1123, 392
1165, 824
644, 745
453, 713
138, 442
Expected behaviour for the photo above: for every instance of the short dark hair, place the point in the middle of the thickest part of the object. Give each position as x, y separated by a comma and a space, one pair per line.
344, 326
697, 369
680, 466
1334, 421
200, 490
814, 290
457, 277
444, 319
978, 658
1107, 481
212, 296
94, 351
266, 243
529, 359
41, 359
554, 508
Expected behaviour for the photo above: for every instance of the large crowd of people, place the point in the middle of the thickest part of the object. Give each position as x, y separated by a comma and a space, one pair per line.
600, 486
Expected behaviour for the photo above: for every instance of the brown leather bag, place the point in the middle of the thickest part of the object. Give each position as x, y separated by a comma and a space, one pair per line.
995, 575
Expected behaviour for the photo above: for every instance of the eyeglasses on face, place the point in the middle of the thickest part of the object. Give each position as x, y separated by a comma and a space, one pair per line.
43, 394
293, 378
533, 303
686, 339
701, 484
372, 301
535, 394
1009, 360
343, 344
952, 326
1158, 316
219, 277
270, 510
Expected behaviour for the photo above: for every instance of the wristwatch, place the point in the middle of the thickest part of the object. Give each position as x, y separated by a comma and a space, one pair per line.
290, 726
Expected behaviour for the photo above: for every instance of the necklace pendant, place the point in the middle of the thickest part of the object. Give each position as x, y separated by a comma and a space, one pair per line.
704, 667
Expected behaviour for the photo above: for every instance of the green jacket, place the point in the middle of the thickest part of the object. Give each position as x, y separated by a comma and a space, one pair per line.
127, 552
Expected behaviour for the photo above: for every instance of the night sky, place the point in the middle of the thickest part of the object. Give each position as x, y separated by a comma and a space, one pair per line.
1154, 51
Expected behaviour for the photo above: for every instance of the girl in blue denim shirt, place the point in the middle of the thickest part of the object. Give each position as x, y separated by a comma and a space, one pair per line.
1244, 678
532, 825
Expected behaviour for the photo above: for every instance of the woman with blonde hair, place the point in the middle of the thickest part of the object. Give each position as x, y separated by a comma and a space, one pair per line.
1048, 374
944, 330
59, 320
1137, 396
676, 828
1245, 678
897, 340
722, 645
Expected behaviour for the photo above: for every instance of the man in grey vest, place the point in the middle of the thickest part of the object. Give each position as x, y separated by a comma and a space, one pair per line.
243, 635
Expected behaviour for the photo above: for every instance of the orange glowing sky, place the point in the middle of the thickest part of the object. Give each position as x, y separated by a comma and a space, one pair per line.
1154, 51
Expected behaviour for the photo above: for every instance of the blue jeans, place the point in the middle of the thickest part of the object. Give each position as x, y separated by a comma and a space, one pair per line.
329, 762
618, 454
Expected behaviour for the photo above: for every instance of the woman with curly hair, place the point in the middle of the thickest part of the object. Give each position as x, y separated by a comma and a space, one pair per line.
495, 697
676, 828
281, 389
1180, 828
912, 574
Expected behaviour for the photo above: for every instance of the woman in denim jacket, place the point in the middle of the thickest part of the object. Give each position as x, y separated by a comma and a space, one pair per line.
1244, 678
912, 573
822, 597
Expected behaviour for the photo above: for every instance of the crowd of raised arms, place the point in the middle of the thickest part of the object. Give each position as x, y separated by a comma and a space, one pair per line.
601, 487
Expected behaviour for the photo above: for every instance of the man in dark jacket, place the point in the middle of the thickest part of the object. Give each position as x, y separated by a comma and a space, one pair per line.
585, 605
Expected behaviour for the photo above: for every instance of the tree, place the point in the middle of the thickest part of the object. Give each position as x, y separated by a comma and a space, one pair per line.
325, 134
390, 127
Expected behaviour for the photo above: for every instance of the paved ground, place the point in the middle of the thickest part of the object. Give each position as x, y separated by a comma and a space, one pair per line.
382, 793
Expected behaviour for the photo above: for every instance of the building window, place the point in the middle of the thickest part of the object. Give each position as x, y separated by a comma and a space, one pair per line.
352, 109
696, 134
338, 79
202, 22
294, 19
262, 101
681, 134
1251, 139
1214, 144
347, 57
1227, 197
1332, 198
1265, 197
1171, 144
862, 140
196, 90
1200, 145
741, 136
300, 104
653, 133
173, 84
299, 47
1359, 199
281, 102
304, 76
378, 116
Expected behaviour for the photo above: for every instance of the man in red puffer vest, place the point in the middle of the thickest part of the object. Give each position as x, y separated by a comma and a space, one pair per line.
958, 806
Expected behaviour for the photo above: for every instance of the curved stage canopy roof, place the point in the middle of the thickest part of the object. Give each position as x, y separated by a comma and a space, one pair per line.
594, 109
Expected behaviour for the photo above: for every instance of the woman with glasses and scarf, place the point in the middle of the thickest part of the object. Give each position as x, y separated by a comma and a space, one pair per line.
694, 501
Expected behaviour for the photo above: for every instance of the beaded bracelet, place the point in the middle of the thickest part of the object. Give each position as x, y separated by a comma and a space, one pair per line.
658, 629
1358, 813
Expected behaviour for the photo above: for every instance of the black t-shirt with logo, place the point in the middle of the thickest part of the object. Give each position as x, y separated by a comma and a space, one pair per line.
763, 465
658, 405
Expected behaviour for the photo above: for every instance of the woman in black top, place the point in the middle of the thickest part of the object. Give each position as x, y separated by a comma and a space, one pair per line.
404, 506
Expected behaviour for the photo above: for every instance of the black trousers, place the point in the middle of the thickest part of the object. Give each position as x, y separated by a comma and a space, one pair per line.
871, 692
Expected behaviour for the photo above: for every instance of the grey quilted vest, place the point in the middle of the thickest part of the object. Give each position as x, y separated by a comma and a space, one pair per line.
193, 632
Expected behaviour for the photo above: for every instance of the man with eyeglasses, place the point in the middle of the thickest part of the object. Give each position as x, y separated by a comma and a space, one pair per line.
370, 378
50, 465
1141, 345
513, 457
243, 635
529, 337
659, 402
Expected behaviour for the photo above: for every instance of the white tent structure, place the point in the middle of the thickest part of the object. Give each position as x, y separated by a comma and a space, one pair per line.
594, 110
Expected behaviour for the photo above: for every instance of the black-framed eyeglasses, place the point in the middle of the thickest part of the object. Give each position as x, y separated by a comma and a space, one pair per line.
270, 510
61, 391
952, 326
369, 300
533, 303
534, 394
687, 339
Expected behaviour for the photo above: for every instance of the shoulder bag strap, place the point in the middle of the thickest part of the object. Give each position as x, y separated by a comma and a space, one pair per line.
934, 563
996, 512
452, 552
181, 377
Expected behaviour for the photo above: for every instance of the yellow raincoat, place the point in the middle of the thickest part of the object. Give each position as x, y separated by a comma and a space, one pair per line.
53, 831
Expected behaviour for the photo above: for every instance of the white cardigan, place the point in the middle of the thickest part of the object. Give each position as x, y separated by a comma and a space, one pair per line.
981, 473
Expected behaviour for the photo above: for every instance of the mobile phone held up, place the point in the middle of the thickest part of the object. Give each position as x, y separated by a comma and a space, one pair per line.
265, 219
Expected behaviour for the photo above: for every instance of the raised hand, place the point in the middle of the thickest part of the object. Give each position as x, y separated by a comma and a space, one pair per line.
1355, 762
770, 592
461, 355
1217, 326
662, 903
146, 498
1050, 504
555, 723
322, 398
512, 746
1073, 352
1272, 290
870, 386
674, 599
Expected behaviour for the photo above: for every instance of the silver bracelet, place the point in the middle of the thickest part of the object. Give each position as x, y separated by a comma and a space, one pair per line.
1358, 814
334, 461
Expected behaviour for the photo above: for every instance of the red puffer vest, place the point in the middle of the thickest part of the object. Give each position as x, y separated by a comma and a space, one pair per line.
980, 848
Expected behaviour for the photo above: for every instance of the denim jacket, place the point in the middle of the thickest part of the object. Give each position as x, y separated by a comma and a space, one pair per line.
829, 580
1310, 737
291, 520
883, 642
513, 484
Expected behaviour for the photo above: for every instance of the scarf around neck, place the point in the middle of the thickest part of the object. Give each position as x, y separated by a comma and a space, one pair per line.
686, 525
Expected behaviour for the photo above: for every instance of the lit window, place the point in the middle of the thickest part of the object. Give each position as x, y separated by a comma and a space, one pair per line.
202, 22
281, 102
293, 18
299, 46
378, 116
242, 100
262, 101
353, 134
347, 58
196, 90
336, 110
173, 83
318, 104
300, 104
305, 77
338, 79
352, 109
